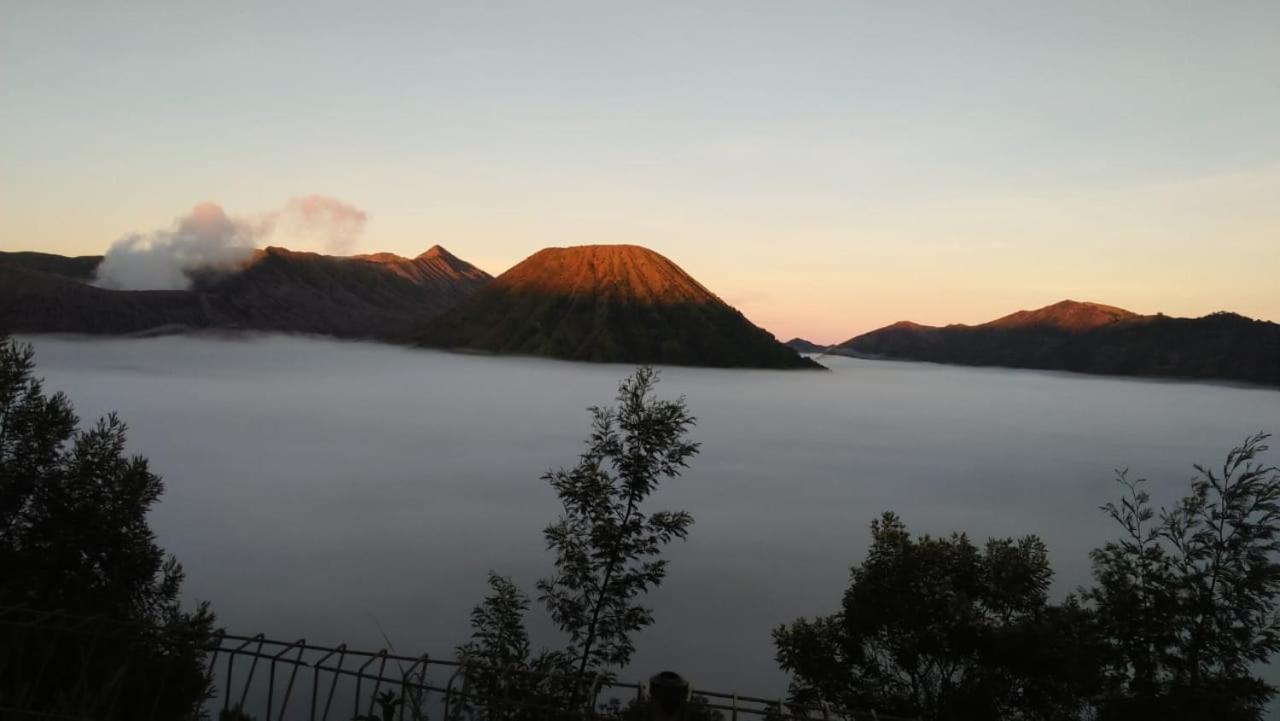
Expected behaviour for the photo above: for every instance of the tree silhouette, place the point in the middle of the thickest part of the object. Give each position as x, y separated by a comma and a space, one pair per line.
103, 633
1189, 597
1184, 608
607, 555
606, 545
942, 629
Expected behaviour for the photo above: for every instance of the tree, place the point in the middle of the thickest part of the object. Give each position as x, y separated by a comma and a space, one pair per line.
1188, 597
98, 597
607, 555
502, 675
937, 628
607, 547
498, 637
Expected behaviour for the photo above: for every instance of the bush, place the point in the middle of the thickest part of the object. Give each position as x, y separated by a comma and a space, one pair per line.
1187, 597
100, 631
938, 628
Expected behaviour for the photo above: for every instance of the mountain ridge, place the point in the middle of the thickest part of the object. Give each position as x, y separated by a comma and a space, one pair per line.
803, 345
275, 289
1068, 315
1090, 338
607, 303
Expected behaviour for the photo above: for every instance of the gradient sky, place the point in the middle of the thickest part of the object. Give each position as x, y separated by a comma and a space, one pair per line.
826, 167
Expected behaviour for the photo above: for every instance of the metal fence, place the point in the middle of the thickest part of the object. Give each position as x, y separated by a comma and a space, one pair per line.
255, 678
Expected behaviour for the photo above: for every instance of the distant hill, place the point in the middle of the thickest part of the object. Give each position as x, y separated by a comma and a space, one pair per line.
800, 345
380, 296
32, 301
609, 303
79, 267
1091, 338
1068, 316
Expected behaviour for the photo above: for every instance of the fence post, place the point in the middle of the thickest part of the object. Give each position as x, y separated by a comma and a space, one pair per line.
668, 696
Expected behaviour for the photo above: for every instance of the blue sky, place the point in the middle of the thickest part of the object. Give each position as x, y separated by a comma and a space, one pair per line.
827, 167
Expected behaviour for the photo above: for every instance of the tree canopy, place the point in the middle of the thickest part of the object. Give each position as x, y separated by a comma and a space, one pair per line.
607, 546
1188, 598
77, 555
943, 629
1185, 606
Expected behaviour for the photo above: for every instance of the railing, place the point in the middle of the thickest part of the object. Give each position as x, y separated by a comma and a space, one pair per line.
264, 679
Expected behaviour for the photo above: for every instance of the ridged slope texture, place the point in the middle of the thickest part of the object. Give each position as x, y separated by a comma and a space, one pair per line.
380, 296
1092, 338
607, 303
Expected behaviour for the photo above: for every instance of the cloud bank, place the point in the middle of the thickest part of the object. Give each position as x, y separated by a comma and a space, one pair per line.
208, 238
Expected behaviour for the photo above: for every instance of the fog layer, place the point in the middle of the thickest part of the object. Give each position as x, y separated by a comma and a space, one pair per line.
336, 491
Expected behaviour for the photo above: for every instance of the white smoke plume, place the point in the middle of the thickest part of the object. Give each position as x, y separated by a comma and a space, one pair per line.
333, 223
207, 238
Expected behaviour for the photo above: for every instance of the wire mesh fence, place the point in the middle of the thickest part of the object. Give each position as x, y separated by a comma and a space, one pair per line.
60, 667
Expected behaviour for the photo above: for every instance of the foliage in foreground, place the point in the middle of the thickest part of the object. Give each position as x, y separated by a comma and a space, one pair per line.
607, 548
608, 551
1188, 597
74, 539
1184, 607
506, 681
940, 628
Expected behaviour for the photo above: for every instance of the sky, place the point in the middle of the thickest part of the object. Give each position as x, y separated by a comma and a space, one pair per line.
826, 167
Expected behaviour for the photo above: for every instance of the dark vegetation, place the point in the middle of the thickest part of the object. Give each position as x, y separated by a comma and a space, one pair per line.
108, 638
609, 330
607, 547
1065, 337
1182, 611
943, 629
